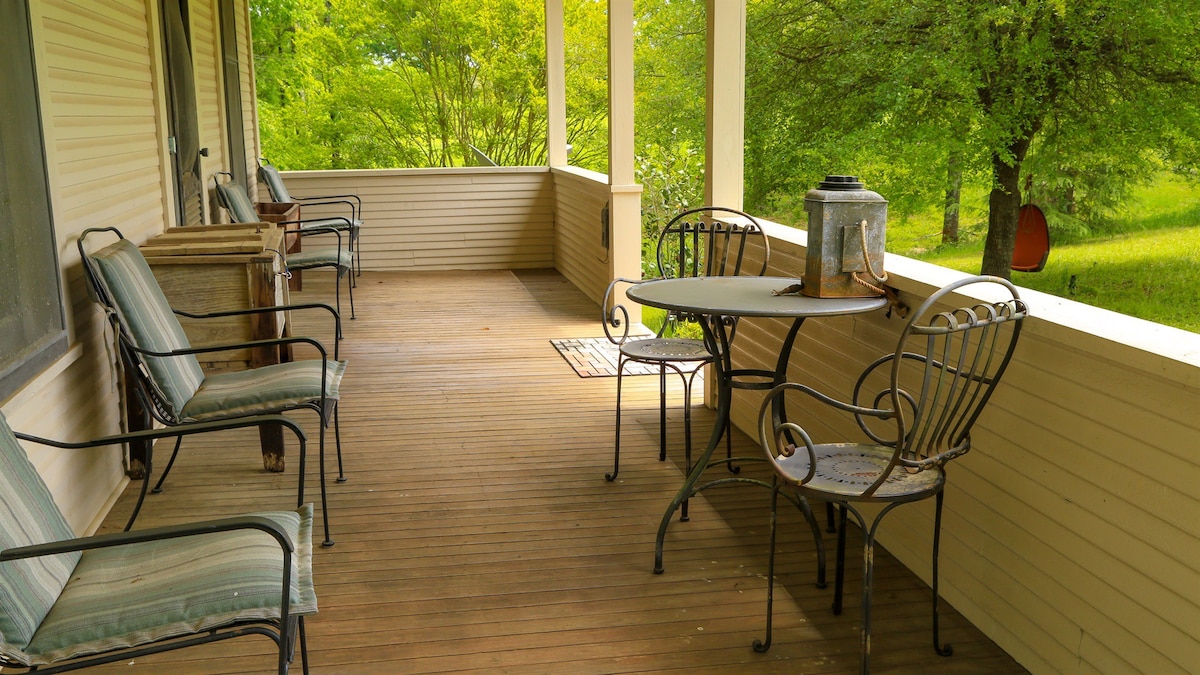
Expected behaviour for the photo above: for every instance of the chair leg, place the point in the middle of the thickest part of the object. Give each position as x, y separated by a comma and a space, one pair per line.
732, 468
145, 483
617, 439
337, 296
868, 578
350, 290
337, 437
662, 413
170, 463
839, 573
818, 540
301, 473
764, 644
830, 527
321, 467
303, 646
941, 649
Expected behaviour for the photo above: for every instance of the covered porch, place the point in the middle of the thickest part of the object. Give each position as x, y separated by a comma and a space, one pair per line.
476, 532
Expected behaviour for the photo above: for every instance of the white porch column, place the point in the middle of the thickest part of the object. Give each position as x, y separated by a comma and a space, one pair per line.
556, 88
724, 134
625, 198
726, 99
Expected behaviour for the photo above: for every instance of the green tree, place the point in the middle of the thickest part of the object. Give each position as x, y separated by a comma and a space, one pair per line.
1109, 83
406, 83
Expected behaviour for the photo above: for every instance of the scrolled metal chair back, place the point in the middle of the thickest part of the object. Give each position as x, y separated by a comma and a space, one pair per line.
712, 241
946, 366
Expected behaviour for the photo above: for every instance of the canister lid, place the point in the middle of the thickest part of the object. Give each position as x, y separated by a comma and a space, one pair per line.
840, 183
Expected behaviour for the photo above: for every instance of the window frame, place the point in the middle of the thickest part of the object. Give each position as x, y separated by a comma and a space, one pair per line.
21, 363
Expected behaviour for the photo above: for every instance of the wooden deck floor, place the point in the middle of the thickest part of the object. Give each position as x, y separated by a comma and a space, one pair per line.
476, 532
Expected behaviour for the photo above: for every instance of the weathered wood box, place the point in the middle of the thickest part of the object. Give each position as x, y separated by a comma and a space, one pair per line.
289, 213
212, 268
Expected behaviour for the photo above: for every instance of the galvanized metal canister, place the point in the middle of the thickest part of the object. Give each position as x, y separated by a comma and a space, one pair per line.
847, 227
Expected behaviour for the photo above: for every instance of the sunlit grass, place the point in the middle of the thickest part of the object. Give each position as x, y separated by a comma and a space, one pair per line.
1151, 275
1147, 267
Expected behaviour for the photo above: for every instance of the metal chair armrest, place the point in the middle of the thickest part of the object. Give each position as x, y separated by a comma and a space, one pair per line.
153, 534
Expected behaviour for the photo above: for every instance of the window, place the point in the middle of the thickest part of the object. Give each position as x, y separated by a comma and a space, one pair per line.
32, 326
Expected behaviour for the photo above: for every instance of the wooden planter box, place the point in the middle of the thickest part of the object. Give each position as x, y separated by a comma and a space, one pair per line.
210, 268
278, 212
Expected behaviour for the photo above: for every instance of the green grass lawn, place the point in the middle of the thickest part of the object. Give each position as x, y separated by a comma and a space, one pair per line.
1152, 275
1149, 268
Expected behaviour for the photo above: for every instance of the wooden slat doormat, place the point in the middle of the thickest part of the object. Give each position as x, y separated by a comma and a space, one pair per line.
597, 357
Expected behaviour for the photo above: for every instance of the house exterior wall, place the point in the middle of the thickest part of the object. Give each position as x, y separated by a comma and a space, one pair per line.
442, 219
580, 197
103, 111
1067, 535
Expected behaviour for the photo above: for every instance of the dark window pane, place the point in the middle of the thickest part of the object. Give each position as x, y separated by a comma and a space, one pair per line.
32, 331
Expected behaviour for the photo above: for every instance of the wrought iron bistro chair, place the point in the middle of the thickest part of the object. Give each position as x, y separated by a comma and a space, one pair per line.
234, 199
68, 602
169, 382
696, 242
916, 406
352, 225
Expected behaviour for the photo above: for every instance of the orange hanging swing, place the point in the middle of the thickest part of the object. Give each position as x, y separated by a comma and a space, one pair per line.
1033, 237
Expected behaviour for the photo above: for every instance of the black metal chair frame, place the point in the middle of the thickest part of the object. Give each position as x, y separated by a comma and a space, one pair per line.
331, 261
153, 401
967, 351
353, 201
282, 631
694, 243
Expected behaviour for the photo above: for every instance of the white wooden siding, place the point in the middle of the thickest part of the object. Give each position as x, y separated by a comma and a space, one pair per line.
439, 219
578, 201
1068, 535
101, 127
249, 100
101, 111
210, 95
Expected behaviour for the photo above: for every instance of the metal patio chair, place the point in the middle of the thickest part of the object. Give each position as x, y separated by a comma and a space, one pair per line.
352, 225
234, 199
168, 379
916, 407
704, 241
68, 602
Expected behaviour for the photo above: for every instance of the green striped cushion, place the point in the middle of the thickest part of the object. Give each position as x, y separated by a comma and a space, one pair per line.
269, 388
238, 203
146, 314
125, 596
28, 515
270, 175
319, 257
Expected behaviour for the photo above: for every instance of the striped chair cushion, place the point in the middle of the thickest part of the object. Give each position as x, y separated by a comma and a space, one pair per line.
270, 175
320, 257
269, 388
238, 202
125, 596
28, 515
146, 315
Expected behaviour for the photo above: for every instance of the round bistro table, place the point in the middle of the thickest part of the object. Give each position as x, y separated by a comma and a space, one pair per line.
717, 302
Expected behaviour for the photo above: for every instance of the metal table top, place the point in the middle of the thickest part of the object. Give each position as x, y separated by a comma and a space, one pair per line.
743, 296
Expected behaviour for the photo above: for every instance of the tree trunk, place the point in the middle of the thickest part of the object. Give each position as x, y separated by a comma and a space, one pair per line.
1004, 206
953, 199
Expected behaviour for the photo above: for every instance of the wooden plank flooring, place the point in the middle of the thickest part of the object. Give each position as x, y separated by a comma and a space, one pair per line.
476, 532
